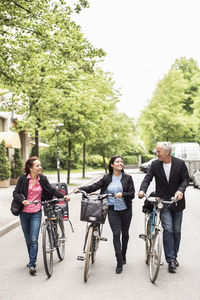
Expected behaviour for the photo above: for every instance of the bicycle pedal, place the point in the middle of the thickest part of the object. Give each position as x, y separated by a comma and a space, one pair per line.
82, 258
103, 239
143, 236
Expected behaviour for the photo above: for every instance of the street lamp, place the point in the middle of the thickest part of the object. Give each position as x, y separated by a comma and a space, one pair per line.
58, 159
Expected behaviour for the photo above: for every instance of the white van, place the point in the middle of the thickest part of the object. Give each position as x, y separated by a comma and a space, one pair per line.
186, 151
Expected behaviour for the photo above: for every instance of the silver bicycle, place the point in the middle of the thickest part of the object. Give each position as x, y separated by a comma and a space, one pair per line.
153, 235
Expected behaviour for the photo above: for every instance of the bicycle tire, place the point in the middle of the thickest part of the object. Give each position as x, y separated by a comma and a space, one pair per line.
47, 247
155, 255
95, 245
88, 252
60, 240
147, 229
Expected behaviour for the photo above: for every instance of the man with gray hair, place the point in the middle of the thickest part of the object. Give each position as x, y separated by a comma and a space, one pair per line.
171, 179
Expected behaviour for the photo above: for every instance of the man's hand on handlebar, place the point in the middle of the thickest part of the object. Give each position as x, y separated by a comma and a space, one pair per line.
178, 195
67, 198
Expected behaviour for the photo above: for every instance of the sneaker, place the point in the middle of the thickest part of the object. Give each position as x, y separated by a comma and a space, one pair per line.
32, 270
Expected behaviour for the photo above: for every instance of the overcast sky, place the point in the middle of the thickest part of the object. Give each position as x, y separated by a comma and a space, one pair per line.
142, 39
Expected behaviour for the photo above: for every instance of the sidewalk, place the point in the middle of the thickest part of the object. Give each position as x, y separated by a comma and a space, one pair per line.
9, 222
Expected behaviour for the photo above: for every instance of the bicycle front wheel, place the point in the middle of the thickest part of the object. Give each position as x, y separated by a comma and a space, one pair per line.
147, 230
95, 243
88, 252
47, 247
155, 255
60, 240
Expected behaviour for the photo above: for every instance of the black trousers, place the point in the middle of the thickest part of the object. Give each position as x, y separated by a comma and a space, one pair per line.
120, 222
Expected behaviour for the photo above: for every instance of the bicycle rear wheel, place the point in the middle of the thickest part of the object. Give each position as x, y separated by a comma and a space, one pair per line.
47, 247
155, 255
88, 252
60, 242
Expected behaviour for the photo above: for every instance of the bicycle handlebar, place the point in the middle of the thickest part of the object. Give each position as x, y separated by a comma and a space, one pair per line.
47, 201
99, 196
160, 200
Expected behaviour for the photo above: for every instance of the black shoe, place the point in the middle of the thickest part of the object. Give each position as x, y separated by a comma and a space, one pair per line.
172, 267
32, 270
124, 260
176, 263
119, 268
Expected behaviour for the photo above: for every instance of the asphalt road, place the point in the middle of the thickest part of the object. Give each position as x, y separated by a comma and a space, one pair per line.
67, 280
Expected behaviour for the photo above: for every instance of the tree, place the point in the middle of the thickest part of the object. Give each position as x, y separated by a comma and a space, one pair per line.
191, 73
165, 118
5, 169
42, 54
17, 164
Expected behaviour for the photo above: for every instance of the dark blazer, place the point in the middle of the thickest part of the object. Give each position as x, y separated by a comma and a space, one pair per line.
127, 185
178, 181
21, 190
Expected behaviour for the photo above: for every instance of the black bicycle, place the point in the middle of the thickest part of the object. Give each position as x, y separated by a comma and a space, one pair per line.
153, 235
53, 232
95, 218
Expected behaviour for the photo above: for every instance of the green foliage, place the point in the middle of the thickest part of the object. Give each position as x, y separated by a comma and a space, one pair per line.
147, 157
51, 70
129, 160
17, 164
167, 116
94, 161
44, 56
5, 168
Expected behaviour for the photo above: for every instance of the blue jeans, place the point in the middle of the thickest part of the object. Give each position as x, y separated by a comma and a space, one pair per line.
171, 223
30, 223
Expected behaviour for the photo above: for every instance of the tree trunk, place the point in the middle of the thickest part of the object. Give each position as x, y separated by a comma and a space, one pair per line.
69, 161
104, 163
83, 175
36, 143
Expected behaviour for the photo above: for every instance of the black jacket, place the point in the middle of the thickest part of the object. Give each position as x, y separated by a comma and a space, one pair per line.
178, 181
127, 185
21, 190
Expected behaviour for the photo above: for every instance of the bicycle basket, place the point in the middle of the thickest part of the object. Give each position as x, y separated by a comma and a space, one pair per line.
93, 210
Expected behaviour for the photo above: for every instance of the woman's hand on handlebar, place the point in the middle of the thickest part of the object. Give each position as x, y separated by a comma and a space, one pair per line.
75, 191
25, 202
118, 195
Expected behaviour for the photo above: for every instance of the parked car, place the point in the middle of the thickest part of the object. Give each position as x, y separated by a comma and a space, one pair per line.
145, 166
196, 179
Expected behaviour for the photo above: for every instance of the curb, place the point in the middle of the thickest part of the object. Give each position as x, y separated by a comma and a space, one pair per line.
9, 227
